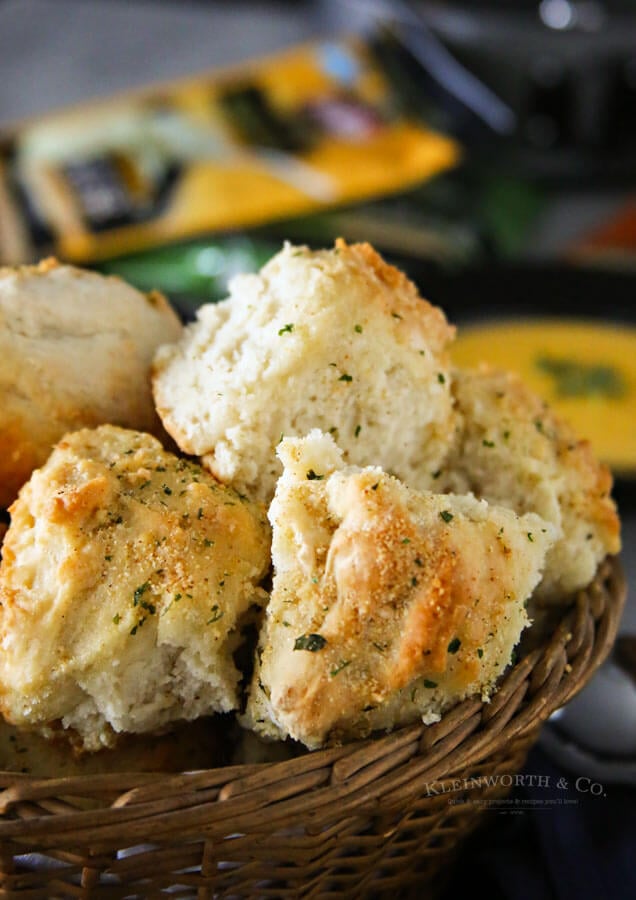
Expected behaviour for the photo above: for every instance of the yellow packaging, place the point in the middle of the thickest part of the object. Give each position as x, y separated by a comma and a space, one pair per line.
312, 127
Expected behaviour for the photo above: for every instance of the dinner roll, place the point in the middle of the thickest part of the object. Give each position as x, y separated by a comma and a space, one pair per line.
126, 575
75, 350
334, 339
514, 450
387, 604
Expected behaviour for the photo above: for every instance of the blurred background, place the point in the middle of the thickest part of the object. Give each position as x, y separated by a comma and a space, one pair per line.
486, 147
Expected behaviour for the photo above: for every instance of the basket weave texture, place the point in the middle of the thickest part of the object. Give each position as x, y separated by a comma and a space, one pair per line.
381, 817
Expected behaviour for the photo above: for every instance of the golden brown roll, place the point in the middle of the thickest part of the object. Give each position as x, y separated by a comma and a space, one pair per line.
387, 604
126, 575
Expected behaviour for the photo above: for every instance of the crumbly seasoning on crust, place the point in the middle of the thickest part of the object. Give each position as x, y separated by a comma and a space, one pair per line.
335, 339
387, 604
125, 577
512, 449
88, 342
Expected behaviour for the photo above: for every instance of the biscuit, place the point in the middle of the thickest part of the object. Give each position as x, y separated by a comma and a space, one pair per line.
512, 449
387, 604
75, 351
334, 339
126, 575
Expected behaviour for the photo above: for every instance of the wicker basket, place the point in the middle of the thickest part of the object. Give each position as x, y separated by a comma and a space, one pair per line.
384, 816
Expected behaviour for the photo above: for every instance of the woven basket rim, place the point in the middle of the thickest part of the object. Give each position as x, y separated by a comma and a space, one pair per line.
356, 778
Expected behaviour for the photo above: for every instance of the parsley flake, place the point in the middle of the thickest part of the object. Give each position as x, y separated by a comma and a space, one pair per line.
311, 642
217, 614
454, 645
139, 592
341, 665
135, 628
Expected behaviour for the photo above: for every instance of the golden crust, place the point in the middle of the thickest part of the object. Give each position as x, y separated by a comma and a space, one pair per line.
125, 576
48, 264
402, 592
402, 296
513, 449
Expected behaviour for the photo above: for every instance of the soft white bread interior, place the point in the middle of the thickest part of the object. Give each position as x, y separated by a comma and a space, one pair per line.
333, 339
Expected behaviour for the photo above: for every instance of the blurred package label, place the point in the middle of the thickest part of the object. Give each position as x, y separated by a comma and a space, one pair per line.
311, 128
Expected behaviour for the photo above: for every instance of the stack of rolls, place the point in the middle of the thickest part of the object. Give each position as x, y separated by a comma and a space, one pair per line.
293, 510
